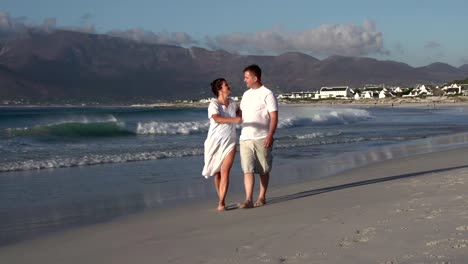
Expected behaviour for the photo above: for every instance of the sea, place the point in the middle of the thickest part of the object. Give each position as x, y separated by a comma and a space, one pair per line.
67, 167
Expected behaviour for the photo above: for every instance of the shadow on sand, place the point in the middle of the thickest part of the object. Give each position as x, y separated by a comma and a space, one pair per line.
288, 197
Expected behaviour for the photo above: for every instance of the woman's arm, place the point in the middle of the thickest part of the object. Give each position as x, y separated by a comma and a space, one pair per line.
226, 120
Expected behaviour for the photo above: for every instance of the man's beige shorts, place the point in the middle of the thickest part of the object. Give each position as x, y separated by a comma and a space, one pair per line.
255, 158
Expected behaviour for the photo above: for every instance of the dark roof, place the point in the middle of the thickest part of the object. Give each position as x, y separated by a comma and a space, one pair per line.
373, 89
339, 88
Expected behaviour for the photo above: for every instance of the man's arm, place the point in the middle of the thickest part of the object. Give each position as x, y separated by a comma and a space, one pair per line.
271, 132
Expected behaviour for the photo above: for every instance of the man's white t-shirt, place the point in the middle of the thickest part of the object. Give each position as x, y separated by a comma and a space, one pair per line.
256, 105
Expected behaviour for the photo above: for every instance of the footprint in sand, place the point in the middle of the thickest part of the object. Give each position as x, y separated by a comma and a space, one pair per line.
404, 210
443, 262
361, 236
432, 256
298, 257
459, 246
414, 200
388, 262
383, 221
243, 248
439, 242
433, 213
408, 256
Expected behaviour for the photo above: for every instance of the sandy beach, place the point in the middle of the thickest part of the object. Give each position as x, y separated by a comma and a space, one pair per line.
411, 210
432, 101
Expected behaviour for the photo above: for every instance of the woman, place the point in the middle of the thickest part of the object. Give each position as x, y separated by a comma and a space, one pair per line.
220, 144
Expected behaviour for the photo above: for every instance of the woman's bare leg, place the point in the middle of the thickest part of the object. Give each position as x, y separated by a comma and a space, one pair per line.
224, 178
217, 180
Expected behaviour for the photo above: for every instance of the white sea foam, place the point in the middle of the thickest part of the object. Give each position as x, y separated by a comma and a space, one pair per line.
95, 159
89, 119
165, 128
324, 141
319, 135
88, 128
324, 116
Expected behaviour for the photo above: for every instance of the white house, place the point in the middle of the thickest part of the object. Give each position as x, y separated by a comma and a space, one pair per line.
302, 95
456, 89
464, 88
336, 92
297, 95
284, 96
398, 90
422, 90
368, 95
385, 93
369, 92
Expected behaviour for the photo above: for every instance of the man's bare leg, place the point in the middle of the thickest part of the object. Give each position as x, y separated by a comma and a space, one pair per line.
264, 180
249, 182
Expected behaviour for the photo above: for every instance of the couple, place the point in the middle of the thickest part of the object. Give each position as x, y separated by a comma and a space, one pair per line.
258, 114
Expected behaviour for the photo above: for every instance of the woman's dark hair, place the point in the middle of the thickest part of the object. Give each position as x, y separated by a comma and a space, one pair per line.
216, 85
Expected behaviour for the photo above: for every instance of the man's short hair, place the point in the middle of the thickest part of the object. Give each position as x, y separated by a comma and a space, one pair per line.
255, 70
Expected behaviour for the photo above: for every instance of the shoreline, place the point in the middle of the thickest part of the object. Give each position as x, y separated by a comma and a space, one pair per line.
396, 102
404, 210
400, 102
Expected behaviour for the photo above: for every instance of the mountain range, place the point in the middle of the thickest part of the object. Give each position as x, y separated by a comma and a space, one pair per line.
66, 66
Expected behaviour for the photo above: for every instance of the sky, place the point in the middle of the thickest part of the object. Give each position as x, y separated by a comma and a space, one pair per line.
416, 32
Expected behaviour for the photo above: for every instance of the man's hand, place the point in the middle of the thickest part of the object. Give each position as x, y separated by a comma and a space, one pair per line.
268, 142
237, 120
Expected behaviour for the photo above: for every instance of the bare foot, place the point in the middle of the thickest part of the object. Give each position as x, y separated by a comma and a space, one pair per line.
221, 208
260, 202
246, 204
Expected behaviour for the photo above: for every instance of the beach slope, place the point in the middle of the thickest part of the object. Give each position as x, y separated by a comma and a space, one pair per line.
411, 210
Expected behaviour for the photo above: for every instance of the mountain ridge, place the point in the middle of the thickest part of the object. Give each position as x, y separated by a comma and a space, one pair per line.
81, 67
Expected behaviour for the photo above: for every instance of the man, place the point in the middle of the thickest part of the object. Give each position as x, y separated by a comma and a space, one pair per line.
260, 118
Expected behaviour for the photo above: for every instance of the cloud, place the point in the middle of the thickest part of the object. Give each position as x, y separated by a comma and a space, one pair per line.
10, 25
327, 39
432, 45
5, 21
49, 24
464, 60
13, 27
140, 35
86, 17
398, 48
83, 29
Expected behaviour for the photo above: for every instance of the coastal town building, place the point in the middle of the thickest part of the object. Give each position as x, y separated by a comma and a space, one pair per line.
456, 89
342, 92
400, 91
207, 100
357, 95
386, 93
425, 89
297, 95
370, 92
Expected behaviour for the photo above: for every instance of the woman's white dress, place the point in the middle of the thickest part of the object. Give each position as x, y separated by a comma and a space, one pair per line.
221, 138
